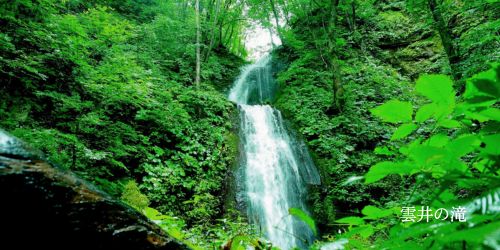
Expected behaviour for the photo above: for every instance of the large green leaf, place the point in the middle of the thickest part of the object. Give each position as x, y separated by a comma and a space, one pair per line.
372, 212
303, 216
364, 231
383, 151
394, 111
487, 234
487, 87
425, 112
403, 131
438, 88
486, 83
492, 142
491, 114
426, 156
382, 169
448, 123
351, 220
463, 145
439, 140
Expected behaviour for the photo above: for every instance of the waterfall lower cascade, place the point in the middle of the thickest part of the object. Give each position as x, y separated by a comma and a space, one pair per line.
275, 167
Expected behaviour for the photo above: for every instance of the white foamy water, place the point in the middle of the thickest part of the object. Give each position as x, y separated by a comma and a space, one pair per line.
275, 166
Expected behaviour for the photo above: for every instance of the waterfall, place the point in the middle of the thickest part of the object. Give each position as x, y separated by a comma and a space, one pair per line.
275, 167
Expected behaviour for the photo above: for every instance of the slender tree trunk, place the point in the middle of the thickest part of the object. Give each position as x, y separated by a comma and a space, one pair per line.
221, 25
286, 11
446, 38
214, 27
184, 10
338, 90
276, 18
198, 38
230, 37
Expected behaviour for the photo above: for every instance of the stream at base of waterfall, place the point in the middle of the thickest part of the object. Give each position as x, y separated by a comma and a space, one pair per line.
274, 166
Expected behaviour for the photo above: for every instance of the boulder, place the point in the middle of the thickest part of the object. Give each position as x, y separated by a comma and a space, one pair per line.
46, 207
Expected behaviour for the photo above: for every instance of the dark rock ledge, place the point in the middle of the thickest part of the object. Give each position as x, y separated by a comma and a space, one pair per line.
45, 207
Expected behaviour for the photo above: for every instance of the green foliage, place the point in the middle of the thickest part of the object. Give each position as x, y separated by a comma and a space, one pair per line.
341, 143
172, 225
394, 111
103, 88
465, 161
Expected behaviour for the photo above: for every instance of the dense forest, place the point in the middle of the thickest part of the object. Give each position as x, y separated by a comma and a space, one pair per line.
396, 102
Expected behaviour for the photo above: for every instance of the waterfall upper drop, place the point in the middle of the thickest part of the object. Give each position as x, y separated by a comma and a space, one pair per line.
274, 166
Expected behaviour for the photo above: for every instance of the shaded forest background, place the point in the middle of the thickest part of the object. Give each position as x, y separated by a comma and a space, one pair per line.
107, 89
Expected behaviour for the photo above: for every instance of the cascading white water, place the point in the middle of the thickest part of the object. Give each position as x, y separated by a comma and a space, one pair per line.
274, 166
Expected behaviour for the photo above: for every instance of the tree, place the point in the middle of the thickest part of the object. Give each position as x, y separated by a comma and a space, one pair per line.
434, 8
198, 45
276, 18
446, 38
214, 28
338, 90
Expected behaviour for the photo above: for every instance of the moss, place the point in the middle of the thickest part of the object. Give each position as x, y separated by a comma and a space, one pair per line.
132, 195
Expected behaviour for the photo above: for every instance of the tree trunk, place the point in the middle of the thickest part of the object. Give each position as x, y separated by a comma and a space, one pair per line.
338, 90
446, 38
214, 27
228, 38
286, 12
198, 38
276, 18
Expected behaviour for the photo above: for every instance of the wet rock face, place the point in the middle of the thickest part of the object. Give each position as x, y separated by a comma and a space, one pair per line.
44, 207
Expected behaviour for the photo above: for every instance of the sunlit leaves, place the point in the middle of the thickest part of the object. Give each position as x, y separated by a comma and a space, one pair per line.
492, 144
382, 169
394, 111
373, 213
403, 131
438, 88
463, 145
484, 87
351, 220
448, 123
425, 112
448, 157
383, 151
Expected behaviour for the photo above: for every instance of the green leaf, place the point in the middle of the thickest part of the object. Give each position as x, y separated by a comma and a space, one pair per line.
372, 212
491, 114
383, 151
403, 131
382, 169
351, 220
439, 140
394, 111
366, 231
480, 234
484, 84
487, 87
491, 142
303, 216
426, 156
447, 123
438, 88
425, 112
463, 145
240, 242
